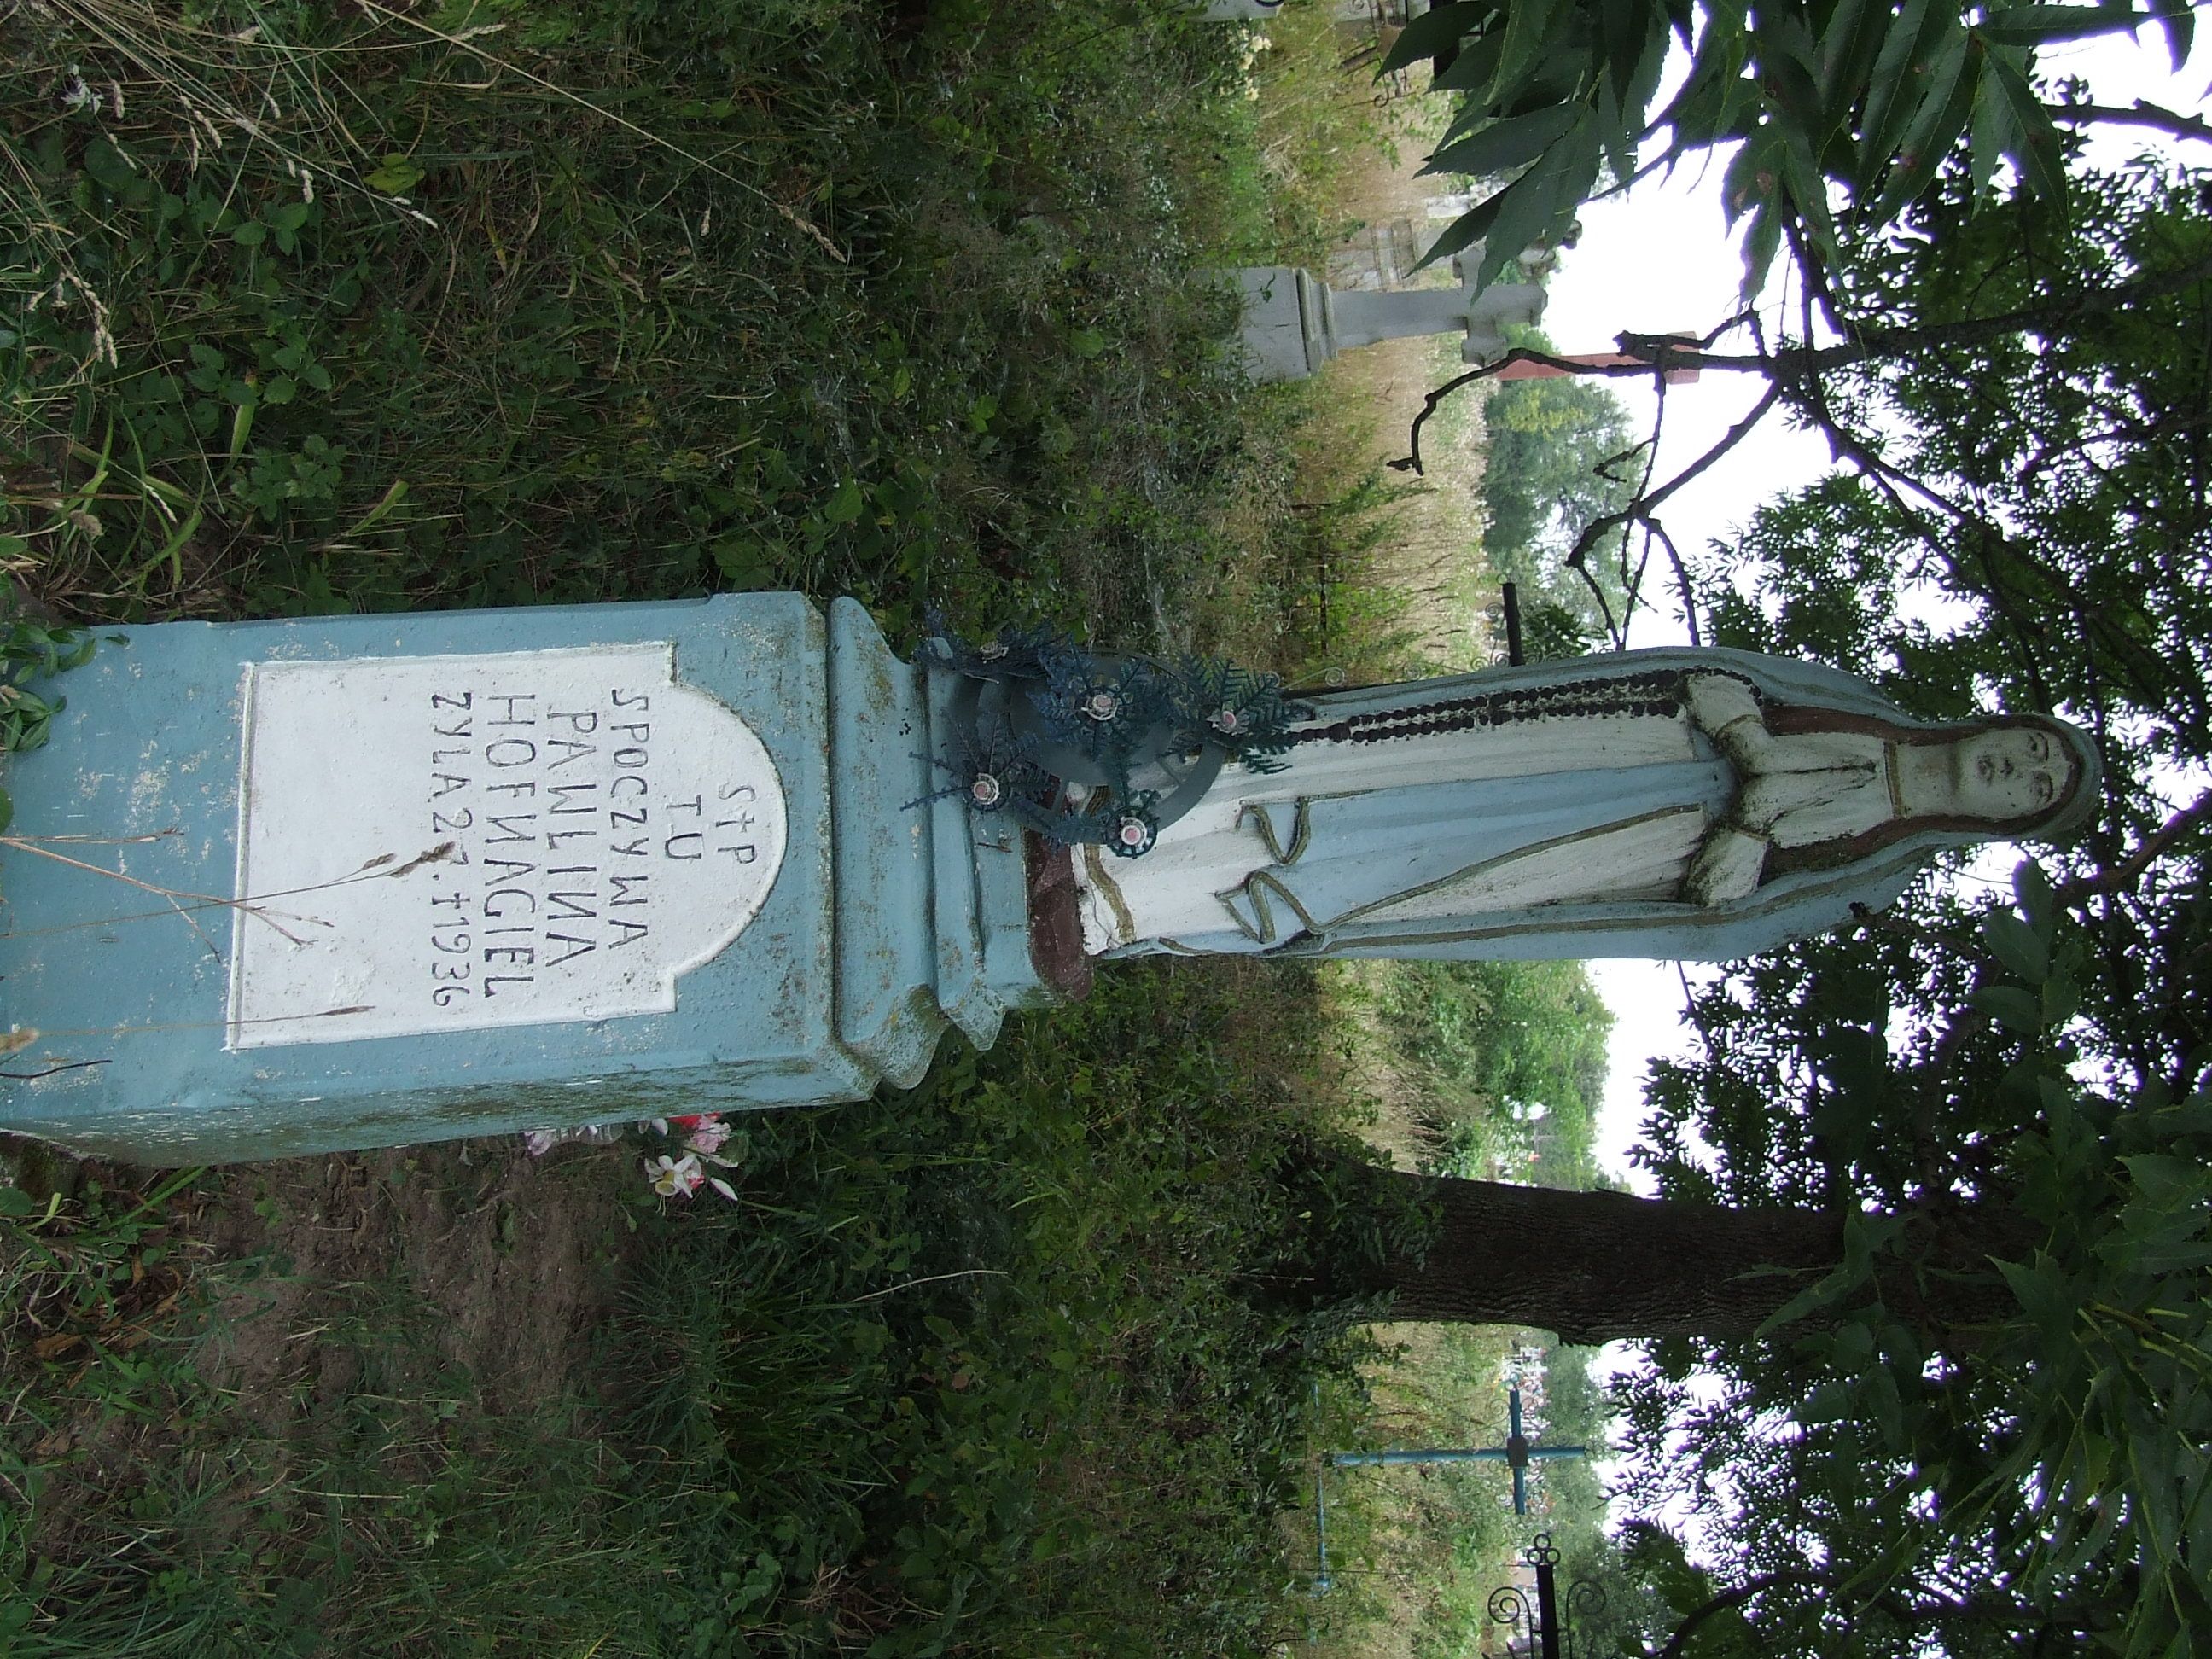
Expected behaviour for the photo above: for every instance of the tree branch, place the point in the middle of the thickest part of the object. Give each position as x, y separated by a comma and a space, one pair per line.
1657, 353
1729, 1598
1412, 463
1887, 479
1798, 371
1681, 580
1662, 352
1639, 511
2141, 113
2130, 871
1632, 587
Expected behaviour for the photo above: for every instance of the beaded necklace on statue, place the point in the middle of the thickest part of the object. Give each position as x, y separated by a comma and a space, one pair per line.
1658, 694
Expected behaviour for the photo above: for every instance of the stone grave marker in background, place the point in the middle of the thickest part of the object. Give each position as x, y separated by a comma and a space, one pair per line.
1292, 322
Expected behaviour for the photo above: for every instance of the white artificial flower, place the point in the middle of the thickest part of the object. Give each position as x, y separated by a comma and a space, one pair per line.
674, 1178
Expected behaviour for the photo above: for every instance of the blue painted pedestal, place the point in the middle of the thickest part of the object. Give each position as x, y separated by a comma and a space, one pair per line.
313, 936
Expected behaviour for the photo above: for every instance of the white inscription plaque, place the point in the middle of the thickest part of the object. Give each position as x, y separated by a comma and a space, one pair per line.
454, 843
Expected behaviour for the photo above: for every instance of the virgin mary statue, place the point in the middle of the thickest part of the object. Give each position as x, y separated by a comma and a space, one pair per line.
1699, 804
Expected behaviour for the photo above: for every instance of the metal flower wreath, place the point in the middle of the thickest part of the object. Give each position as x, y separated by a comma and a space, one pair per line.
1079, 747
1090, 748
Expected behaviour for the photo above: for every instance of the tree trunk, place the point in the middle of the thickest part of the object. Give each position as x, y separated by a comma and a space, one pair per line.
1597, 1266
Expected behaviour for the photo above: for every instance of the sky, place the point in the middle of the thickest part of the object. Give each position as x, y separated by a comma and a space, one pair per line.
1660, 259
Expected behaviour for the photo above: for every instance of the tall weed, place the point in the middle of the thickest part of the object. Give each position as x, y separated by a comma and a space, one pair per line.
324, 308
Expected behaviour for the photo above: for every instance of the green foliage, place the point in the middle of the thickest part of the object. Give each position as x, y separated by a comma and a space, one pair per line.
1315, 124
1510, 1061
31, 651
1551, 631
1846, 114
2105, 1351
1336, 604
1414, 1552
1699, 1607
984, 1447
1989, 1426
1558, 458
988, 1366
325, 309
158, 1514
1547, 440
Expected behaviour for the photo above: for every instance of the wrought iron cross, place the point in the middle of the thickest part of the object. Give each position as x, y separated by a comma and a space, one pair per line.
1509, 1603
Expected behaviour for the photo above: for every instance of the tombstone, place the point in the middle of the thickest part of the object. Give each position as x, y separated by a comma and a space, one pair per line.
1292, 323
1379, 255
289, 887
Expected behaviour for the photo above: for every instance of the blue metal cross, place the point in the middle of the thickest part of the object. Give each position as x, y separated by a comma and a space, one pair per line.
1515, 1454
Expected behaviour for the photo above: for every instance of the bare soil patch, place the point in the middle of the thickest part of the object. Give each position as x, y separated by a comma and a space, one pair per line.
497, 1269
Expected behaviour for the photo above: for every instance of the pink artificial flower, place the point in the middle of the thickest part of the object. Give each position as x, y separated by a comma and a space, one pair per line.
708, 1132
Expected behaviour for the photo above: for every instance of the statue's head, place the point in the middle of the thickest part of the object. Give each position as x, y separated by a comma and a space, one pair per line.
2011, 774
2005, 777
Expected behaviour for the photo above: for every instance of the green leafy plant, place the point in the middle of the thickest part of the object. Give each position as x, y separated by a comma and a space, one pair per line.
1844, 111
2059, 1442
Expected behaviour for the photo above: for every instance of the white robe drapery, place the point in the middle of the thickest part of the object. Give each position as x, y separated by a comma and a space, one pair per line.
1628, 830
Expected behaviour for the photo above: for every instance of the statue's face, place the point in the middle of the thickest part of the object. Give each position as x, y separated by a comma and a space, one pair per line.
2014, 772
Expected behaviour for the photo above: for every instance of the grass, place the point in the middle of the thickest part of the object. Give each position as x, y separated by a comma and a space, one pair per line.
316, 309
1503, 1062
1455, 1055
977, 1368
1414, 1550
504, 305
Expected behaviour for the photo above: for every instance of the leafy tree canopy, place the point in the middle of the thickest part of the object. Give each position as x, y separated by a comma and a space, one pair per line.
1847, 110
1498, 1042
1557, 457
2027, 524
1982, 1424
